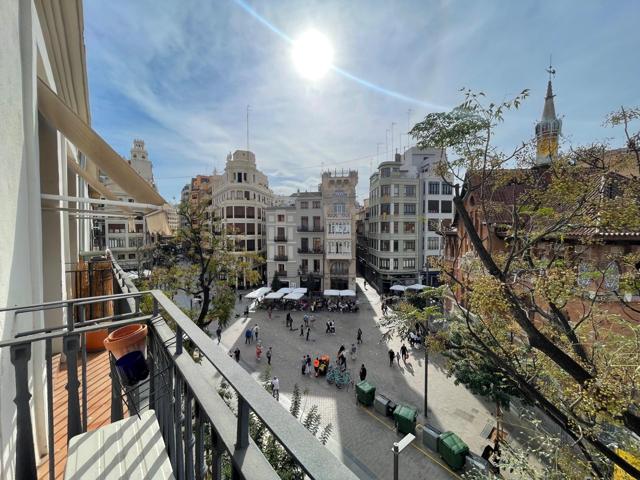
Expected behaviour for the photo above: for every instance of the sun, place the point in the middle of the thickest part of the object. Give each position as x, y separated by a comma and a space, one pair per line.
312, 55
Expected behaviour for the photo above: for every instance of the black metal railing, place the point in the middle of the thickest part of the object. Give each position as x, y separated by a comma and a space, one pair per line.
311, 251
281, 273
280, 258
197, 426
280, 238
310, 228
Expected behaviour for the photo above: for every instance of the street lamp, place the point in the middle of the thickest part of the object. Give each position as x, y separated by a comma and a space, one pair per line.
397, 448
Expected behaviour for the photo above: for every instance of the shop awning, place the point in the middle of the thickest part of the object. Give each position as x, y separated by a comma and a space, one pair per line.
274, 296
259, 293
398, 288
64, 119
285, 290
416, 286
294, 296
300, 290
158, 223
331, 293
347, 293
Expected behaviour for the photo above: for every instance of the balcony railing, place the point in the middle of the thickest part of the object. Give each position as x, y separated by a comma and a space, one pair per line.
311, 251
280, 258
198, 429
310, 228
280, 238
281, 273
306, 271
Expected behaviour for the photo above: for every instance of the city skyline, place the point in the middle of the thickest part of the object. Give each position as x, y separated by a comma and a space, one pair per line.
182, 57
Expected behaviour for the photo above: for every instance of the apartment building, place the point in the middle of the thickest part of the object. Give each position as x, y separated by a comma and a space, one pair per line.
126, 237
310, 222
436, 205
281, 252
239, 197
393, 231
339, 208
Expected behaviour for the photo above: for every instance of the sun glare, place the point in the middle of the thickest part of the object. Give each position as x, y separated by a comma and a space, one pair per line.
312, 55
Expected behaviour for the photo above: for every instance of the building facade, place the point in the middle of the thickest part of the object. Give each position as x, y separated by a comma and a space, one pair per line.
126, 237
239, 197
281, 252
310, 222
339, 210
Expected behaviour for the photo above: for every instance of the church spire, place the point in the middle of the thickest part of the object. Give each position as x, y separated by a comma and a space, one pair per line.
548, 128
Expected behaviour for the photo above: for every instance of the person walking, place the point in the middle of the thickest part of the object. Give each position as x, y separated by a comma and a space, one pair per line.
301, 329
308, 364
304, 364
247, 336
236, 354
275, 388
363, 373
219, 334
306, 320
256, 331
240, 297
269, 356
398, 358
359, 336
354, 351
365, 284
308, 332
404, 352
392, 356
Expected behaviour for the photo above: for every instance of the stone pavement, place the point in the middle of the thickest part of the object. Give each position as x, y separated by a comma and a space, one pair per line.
361, 438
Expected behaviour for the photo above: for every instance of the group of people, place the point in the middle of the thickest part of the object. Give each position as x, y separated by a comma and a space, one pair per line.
251, 333
403, 353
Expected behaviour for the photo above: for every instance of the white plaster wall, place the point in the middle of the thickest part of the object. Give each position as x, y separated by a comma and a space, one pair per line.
20, 222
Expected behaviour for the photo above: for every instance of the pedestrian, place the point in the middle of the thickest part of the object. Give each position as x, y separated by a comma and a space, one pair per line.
304, 364
308, 364
308, 332
340, 350
392, 355
301, 329
269, 356
256, 331
316, 365
275, 388
236, 354
354, 351
365, 284
247, 336
288, 320
359, 336
219, 334
240, 297
306, 320
405, 353
398, 358
363, 373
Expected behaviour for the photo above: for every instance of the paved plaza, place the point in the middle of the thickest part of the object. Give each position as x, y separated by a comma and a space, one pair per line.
361, 438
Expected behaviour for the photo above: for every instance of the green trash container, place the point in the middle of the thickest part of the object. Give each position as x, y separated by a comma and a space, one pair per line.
365, 393
405, 417
453, 450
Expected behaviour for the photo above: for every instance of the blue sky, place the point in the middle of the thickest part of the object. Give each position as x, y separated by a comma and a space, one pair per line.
179, 74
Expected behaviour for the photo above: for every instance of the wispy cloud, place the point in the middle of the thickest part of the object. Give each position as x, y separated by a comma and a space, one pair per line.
180, 75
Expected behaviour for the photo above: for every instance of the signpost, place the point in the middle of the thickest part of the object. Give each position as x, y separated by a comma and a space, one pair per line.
397, 448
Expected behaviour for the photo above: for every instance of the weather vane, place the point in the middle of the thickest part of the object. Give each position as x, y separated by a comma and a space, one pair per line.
551, 71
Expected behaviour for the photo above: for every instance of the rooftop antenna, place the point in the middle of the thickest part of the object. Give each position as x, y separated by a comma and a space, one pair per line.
551, 71
248, 108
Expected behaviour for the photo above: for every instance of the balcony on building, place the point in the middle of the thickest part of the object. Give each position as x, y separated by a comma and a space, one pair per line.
281, 273
280, 238
171, 424
310, 228
280, 258
311, 251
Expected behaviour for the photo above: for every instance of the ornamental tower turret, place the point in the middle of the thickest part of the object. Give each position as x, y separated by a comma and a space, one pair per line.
548, 129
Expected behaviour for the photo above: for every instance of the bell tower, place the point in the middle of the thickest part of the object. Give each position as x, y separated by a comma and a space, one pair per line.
548, 129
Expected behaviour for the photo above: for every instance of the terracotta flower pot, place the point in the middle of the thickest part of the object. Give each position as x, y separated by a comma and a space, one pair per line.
127, 339
95, 340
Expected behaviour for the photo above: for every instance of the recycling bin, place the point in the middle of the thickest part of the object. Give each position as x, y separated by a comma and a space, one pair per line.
380, 403
365, 393
405, 417
453, 450
430, 437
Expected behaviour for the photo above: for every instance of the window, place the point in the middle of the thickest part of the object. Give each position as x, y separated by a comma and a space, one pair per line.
396, 190
433, 206
396, 227
316, 266
132, 256
238, 212
239, 177
446, 206
385, 190
395, 264
395, 245
409, 190
409, 245
116, 228
305, 265
385, 245
384, 264
396, 208
304, 205
409, 227
433, 243
408, 263
385, 172
434, 188
316, 204
409, 208
432, 225
251, 228
384, 227
447, 189
385, 209
339, 208
251, 212
280, 218
316, 223
251, 245
247, 195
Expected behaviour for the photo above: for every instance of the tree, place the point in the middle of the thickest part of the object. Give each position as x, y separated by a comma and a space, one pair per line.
202, 265
526, 305
276, 284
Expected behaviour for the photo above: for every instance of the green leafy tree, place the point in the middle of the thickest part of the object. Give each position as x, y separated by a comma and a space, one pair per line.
524, 303
276, 284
